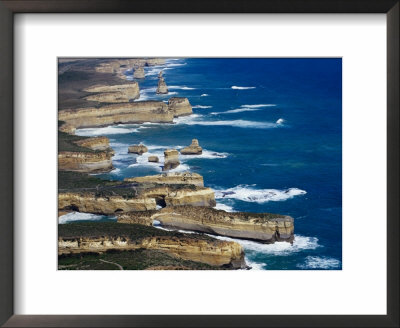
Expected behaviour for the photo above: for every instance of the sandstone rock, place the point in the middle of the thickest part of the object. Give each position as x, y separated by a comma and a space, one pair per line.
137, 149
170, 178
162, 86
95, 143
179, 106
109, 205
212, 252
171, 159
139, 73
119, 93
133, 112
263, 227
153, 159
193, 149
67, 128
91, 162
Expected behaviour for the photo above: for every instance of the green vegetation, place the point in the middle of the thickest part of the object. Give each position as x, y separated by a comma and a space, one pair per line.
129, 260
114, 229
74, 181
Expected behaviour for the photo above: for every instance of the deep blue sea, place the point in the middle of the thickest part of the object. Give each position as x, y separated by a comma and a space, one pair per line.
271, 131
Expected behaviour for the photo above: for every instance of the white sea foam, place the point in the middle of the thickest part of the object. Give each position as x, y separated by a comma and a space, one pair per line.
249, 194
280, 121
281, 248
77, 216
204, 95
241, 88
108, 130
317, 262
201, 106
245, 108
180, 87
206, 154
254, 265
195, 119
224, 207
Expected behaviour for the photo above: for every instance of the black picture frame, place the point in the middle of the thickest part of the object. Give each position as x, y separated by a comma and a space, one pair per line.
10, 7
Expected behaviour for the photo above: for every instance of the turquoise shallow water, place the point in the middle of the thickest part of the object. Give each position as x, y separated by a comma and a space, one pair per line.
271, 130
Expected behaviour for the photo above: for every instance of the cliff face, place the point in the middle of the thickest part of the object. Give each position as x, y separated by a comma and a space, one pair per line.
113, 93
179, 106
90, 203
85, 161
171, 178
171, 159
67, 128
95, 143
216, 253
134, 112
263, 227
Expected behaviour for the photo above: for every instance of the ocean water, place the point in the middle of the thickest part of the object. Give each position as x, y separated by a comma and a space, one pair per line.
271, 130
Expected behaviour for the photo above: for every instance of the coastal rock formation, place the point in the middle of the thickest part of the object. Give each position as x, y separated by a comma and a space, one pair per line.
179, 106
140, 217
263, 227
67, 128
95, 143
92, 162
212, 252
119, 93
139, 73
137, 149
171, 159
193, 149
134, 112
153, 159
109, 205
170, 178
162, 86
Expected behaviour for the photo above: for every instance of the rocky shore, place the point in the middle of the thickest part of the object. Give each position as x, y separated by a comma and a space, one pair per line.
95, 93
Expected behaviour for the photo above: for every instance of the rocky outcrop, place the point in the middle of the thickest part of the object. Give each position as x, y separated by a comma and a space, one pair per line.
171, 178
263, 227
153, 159
138, 73
171, 159
162, 86
134, 112
109, 205
179, 106
67, 128
137, 149
193, 149
91, 162
212, 252
119, 93
95, 143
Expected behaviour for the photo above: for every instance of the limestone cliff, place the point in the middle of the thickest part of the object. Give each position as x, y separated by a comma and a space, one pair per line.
92, 203
216, 252
119, 93
134, 112
193, 149
171, 159
263, 227
170, 178
93, 162
179, 106
67, 128
95, 143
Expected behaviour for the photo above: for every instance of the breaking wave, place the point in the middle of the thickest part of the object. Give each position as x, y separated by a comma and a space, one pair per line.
246, 108
201, 106
317, 262
247, 194
108, 130
241, 88
204, 95
77, 216
224, 207
180, 87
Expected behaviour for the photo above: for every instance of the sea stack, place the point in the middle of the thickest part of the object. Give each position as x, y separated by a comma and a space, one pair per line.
171, 159
193, 149
139, 73
162, 86
179, 106
137, 149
